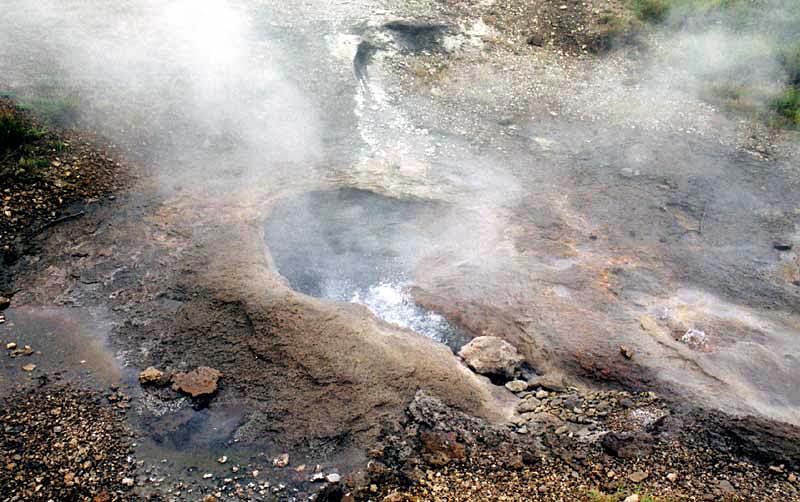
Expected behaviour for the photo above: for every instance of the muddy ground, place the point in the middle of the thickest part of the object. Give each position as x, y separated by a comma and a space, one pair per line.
574, 218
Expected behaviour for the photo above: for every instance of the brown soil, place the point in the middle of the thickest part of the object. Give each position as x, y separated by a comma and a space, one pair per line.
48, 179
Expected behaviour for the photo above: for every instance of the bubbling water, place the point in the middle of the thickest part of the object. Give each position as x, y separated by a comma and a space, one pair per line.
358, 246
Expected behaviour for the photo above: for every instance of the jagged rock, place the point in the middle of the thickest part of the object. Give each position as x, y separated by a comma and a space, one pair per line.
199, 382
281, 460
439, 448
151, 376
492, 356
628, 444
547, 383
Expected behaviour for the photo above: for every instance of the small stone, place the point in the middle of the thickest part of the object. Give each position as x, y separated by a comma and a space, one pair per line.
128, 481
517, 385
300, 468
11, 346
281, 460
29, 367
726, 486
626, 352
638, 476
632, 498
542, 394
208, 475
611, 474
209, 498
780, 246
333, 478
151, 376
5, 302
255, 473
222, 459
528, 405
672, 477
317, 477
792, 478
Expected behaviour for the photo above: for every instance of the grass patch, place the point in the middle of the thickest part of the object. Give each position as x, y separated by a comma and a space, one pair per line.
623, 492
15, 132
62, 112
786, 107
651, 11
657, 11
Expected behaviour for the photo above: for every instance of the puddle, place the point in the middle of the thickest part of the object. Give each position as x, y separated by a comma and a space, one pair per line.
357, 246
68, 343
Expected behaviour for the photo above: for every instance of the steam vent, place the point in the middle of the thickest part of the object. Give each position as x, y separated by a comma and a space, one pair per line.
400, 251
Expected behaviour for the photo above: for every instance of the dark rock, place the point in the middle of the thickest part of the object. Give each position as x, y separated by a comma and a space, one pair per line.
628, 444
782, 246
547, 383
330, 493
439, 448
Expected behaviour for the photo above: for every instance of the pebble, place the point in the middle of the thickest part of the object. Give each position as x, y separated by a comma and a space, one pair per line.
632, 498
222, 459
672, 477
638, 476
333, 478
281, 460
29, 367
128, 481
11, 346
792, 478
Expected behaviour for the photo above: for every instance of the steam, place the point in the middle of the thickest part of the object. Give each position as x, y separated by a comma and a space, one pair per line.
184, 83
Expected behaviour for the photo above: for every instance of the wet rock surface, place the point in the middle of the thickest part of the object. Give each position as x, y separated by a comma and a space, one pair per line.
200, 382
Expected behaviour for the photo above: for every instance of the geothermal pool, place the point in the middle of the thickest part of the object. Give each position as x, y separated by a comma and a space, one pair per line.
351, 245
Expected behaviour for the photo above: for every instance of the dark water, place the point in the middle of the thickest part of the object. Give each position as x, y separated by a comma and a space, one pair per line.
357, 246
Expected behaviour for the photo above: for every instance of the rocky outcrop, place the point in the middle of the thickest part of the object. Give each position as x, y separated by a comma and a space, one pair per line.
492, 356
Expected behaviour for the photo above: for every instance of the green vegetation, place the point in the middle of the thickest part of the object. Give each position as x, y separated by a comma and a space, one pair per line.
786, 106
623, 492
57, 111
15, 132
781, 107
656, 11
651, 11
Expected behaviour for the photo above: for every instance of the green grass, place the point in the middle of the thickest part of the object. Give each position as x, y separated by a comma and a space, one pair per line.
657, 11
623, 492
15, 132
651, 11
62, 112
33, 163
786, 107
